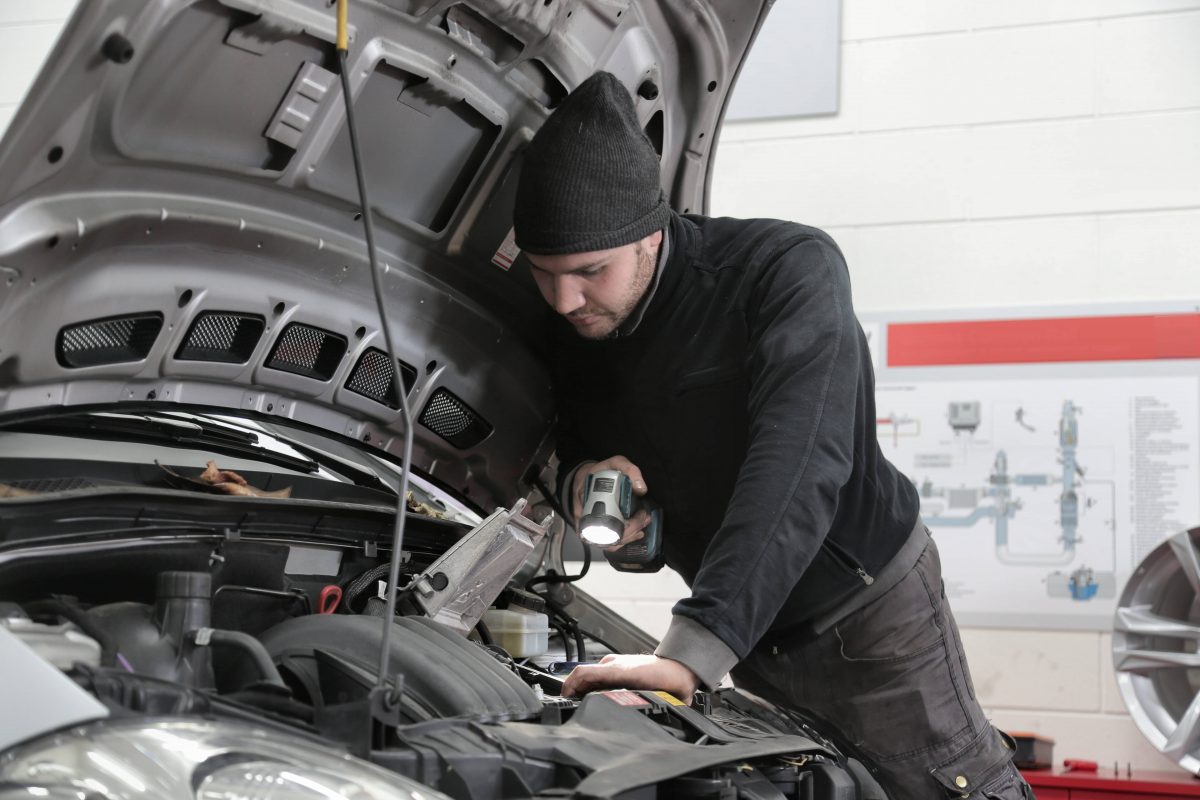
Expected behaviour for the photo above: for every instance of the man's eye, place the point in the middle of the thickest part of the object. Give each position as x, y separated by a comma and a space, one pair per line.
593, 271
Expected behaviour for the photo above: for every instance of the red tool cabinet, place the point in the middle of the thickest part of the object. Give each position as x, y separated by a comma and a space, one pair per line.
1105, 784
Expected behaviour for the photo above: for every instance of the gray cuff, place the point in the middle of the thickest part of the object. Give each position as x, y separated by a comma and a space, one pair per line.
698, 649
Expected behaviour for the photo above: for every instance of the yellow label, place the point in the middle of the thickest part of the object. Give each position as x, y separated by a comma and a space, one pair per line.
670, 698
343, 27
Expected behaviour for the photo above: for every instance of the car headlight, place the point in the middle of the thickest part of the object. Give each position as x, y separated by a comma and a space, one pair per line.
197, 760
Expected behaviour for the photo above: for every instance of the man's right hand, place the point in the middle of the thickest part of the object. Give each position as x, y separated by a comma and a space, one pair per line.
635, 524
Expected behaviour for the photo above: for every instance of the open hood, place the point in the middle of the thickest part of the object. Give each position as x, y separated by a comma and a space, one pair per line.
179, 221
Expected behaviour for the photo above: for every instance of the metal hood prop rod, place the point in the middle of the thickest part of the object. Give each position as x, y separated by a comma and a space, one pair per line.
343, 47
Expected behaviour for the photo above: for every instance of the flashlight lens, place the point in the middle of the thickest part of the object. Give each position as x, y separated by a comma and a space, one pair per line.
600, 534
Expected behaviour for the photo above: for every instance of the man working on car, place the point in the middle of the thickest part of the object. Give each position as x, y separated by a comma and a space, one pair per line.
719, 364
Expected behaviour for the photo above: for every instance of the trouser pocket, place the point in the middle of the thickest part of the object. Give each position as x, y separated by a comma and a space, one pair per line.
982, 769
896, 688
1009, 785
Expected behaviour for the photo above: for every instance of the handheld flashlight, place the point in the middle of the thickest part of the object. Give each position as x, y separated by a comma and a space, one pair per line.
608, 501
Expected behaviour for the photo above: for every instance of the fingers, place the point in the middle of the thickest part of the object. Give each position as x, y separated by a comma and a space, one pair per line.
584, 678
635, 529
620, 463
638, 522
587, 677
632, 672
626, 466
628, 538
613, 548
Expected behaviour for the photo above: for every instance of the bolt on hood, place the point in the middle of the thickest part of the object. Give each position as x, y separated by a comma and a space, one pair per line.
179, 220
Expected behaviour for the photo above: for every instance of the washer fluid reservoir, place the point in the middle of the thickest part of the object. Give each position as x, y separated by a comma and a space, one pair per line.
520, 631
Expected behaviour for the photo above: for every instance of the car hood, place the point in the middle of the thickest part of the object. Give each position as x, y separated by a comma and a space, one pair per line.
179, 221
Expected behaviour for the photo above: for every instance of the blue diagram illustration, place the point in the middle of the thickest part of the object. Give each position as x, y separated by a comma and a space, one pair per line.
1000, 501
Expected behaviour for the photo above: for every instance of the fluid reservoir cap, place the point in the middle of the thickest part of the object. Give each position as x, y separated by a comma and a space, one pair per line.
184, 584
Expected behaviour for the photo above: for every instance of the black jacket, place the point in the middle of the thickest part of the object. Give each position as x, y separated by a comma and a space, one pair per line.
746, 397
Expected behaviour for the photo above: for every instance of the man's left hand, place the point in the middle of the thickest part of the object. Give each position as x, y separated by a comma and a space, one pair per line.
633, 672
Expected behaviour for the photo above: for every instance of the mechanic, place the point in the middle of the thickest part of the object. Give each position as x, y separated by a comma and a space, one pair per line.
719, 364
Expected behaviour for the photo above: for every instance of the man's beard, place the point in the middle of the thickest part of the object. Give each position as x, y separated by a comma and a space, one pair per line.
643, 275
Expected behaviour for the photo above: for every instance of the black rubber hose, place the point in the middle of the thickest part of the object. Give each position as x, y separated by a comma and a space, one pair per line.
551, 498
236, 640
551, 577
568, 623
72, 612
580, 645
295, 594
562, 634
598, 640
485, 635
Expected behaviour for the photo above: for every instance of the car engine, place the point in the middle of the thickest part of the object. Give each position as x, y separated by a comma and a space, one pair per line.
239, 626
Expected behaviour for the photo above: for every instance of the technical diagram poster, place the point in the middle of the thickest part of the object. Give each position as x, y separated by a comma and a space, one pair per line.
1046, 469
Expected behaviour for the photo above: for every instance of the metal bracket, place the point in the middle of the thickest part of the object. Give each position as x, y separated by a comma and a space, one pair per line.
364, 713
384, 702
457, 588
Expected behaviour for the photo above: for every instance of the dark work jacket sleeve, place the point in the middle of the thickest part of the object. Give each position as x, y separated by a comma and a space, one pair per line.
803, 367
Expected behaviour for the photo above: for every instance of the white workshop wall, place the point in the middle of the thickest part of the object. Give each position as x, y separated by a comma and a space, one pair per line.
995, 154
27, 31
986, 154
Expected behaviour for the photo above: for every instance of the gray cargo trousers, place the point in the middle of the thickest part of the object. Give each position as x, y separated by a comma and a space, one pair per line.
892, 678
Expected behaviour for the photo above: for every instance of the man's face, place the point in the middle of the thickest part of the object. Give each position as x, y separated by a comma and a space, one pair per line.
597, 291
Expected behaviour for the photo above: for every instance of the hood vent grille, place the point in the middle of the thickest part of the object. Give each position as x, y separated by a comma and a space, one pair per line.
454, 420
308, 351
222, 336
113, 340
374, 377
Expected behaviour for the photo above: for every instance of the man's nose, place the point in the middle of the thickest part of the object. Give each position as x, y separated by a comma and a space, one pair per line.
567, 295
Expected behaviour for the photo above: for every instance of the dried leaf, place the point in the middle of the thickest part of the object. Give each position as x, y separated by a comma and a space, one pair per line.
214, 475
221, 481
245, 490
424, 509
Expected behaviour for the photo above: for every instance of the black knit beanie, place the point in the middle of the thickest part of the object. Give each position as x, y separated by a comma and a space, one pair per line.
590, 178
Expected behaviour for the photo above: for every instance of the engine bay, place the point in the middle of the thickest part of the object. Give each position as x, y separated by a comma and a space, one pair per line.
200, 619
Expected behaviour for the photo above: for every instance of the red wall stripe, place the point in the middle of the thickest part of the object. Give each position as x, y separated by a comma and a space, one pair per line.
1040, 341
